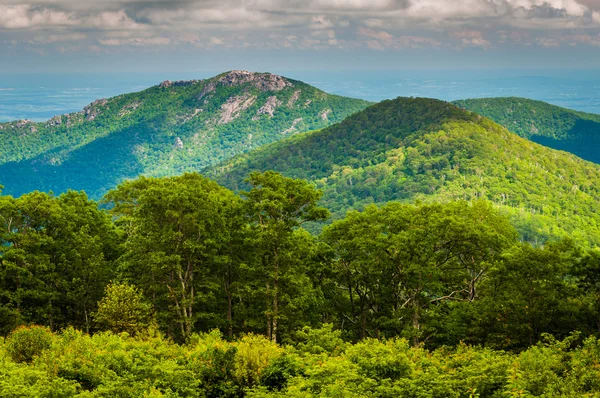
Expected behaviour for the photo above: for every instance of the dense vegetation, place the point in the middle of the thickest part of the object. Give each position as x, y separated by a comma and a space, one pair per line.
165, 130
320, 364
550, 125
413, 149
186, 289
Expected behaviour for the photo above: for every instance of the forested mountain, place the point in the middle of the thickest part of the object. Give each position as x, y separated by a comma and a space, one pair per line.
413, 149
546, 124
165, 130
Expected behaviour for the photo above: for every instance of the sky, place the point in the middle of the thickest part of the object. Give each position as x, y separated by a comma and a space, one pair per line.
270, 35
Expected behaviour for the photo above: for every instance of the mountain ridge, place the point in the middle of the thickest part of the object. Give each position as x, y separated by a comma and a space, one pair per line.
547, 124
167, 129
413, 149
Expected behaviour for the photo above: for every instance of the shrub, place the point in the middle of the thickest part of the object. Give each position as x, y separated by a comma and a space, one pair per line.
27, 342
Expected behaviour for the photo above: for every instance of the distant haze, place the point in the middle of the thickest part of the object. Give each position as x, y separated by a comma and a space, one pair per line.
39, 97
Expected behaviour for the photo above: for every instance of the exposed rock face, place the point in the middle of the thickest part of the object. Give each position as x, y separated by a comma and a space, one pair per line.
127, 109
262, 81
234, 105
178, 83
55, 121
23, 123
178, 143
294, 98
91, 111
189, 116
269, 107
209, 88
292, 129
324, 115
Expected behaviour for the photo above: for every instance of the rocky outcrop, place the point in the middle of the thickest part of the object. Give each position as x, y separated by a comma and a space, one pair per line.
208, 88
269, 107
178, 83
293, 98
127, 109
234, 105
262, 81
292, 129
178, 143
324, 115
188, 116
55, 121
92, 110
23, 123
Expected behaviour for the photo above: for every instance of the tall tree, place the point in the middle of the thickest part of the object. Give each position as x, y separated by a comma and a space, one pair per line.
180, 232
396, 261
279, 205
56, 257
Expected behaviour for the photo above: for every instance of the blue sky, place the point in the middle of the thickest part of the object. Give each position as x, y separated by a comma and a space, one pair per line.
271, 35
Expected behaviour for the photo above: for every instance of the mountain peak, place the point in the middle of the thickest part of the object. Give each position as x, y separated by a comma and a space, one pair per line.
262, 81
170, 128
178, 83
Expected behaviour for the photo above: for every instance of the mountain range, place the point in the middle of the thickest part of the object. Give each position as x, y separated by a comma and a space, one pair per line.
546, 124
168, 129
415, 149
358, 153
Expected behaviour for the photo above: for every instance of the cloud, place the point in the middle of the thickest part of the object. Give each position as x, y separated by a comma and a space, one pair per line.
45, 39
472, 38
25, 16
376, 24
380, 40
137, 41
112, 20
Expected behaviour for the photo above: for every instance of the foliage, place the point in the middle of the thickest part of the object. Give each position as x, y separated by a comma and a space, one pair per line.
56, 258
123, 309
278, 205
164, 130
105, 364
414, 149
27, 342
546, 124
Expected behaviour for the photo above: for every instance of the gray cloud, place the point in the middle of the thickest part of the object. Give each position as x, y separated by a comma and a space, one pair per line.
374, 24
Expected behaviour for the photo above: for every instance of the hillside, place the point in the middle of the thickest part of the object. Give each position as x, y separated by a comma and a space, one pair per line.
546, 124
167, 129
428, 150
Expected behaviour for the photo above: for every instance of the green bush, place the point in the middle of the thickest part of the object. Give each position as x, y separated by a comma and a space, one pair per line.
27, 342
123, 309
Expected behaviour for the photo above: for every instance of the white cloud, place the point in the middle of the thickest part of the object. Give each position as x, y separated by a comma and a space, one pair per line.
385, 24
24, 16
112, 20
137, 41
45, 39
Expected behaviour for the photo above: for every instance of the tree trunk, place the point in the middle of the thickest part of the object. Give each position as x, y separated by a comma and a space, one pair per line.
229, 307
269, 315
275, 303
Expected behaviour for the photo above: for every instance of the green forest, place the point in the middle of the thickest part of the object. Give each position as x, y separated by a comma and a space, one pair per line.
166, 129
416, 149
550, 125
179, 287
327, 248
